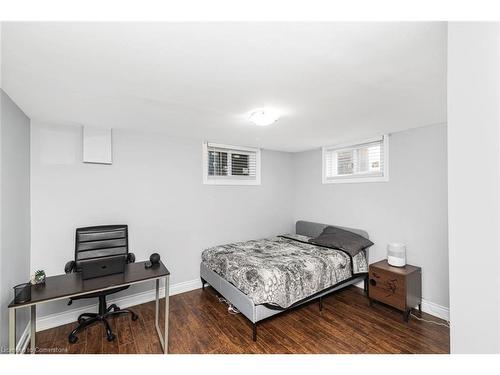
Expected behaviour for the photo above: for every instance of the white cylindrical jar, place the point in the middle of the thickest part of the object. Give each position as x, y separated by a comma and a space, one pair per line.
396, 254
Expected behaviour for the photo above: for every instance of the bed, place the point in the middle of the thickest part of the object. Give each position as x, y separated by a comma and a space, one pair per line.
262, 278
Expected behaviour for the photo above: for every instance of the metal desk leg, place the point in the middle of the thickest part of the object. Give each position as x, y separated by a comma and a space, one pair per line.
162, 336
33, 329
12, 331
167, 294
157, 301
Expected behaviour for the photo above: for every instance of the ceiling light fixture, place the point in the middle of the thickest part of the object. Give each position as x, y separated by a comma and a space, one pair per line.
263, 116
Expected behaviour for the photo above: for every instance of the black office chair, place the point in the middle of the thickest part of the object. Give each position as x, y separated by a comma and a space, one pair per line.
93, 243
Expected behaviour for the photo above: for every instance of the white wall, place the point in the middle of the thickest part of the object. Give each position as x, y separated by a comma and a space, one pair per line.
154, 186
474, 186
1, 251
15, 214
410, 208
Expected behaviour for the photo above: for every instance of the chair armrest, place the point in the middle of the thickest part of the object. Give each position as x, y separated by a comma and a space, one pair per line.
130, 258
70, 266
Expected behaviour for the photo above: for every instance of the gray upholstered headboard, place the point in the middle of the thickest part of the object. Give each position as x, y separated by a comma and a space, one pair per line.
308, 228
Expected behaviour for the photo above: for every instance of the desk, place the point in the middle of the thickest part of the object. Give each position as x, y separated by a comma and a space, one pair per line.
72, 285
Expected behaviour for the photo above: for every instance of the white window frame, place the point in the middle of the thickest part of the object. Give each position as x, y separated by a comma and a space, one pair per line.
235, 180
356, 178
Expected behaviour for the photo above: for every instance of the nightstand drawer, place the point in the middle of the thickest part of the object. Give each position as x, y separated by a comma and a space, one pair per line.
387, 287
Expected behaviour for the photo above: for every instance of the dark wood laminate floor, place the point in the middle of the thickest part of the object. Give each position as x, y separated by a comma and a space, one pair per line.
199, 323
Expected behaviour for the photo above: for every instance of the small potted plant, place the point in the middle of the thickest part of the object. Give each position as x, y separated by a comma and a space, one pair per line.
39, 278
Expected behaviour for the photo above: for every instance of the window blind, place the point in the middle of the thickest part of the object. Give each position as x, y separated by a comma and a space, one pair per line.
361, 160
230, 163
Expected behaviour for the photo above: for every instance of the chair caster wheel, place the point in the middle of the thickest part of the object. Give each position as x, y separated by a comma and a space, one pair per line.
81, 320
116, 308
111, 337
72, 339
135, 317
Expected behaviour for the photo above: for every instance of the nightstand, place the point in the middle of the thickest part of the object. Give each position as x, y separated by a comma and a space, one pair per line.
399, 287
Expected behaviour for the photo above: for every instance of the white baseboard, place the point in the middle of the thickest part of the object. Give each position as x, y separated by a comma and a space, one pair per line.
185, 286
69, 316
436, 310
428, 307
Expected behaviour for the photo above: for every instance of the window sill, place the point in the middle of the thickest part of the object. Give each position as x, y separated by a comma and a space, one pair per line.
355, 180
230, 182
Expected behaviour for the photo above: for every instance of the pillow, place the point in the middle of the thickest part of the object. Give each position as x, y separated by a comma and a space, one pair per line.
342, 239
298, 237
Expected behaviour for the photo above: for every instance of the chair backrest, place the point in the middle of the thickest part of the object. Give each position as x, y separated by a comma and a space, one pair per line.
99, 242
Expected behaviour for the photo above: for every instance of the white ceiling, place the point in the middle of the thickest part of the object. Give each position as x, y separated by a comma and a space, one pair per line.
332, 81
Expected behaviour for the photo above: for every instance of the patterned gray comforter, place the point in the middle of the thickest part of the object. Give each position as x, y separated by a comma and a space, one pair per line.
281, 271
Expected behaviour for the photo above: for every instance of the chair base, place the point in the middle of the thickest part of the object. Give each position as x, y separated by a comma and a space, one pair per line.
87, 319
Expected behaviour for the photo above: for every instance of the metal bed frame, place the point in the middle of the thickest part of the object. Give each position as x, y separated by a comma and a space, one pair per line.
257, 313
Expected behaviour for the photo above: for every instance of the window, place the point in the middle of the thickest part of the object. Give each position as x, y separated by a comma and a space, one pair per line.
230, 165
366, 161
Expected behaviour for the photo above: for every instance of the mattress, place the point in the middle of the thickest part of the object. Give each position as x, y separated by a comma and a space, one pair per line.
281, 271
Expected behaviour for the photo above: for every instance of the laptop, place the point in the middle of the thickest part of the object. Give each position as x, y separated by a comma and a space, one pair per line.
102, 267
